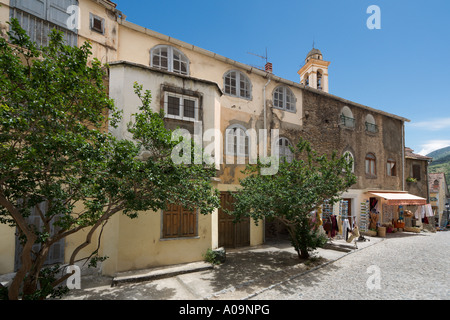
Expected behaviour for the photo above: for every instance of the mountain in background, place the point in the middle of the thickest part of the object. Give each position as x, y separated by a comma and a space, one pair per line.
440, 156
441, 162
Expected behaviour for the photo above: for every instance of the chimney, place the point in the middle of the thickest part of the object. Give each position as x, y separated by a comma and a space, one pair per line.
269, 67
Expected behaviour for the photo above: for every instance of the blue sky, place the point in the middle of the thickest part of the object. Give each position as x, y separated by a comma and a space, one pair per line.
402, 68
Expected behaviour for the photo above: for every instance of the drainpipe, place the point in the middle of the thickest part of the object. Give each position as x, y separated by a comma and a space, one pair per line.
403, 156
265, 128
265, 104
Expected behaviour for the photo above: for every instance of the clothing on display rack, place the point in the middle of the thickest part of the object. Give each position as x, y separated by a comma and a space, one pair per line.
331, 226
345, 228
423, 212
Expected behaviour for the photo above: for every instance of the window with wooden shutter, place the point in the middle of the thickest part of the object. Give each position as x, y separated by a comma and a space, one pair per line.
179, 222
97, 23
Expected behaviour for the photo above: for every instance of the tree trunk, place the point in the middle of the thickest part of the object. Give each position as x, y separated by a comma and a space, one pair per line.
14, 288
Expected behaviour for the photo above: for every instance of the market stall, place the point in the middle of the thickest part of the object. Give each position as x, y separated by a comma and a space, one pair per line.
388, 211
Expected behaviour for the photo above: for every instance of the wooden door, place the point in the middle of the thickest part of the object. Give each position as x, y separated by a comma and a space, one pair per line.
232, 235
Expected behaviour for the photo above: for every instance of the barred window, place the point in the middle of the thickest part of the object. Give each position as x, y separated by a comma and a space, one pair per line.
181, 107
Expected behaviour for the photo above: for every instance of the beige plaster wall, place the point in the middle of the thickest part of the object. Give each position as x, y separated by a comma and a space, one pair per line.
104, 46
7, 249
136, 43
4, 11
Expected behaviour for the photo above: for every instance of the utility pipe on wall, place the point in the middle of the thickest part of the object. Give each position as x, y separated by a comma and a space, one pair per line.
265, 104
403, 156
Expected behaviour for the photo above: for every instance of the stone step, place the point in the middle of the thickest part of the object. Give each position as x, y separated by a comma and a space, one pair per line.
159, 273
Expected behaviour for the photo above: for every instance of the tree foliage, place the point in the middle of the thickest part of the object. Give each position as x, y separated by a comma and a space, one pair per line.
54, 148
294, 192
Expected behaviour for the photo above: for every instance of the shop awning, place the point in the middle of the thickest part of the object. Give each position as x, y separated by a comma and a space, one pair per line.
400, 198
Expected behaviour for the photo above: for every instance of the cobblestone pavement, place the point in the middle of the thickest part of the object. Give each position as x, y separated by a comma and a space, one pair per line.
408, 267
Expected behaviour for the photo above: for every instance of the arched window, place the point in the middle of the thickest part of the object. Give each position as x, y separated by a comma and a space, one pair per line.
237, 141
319, 79
349, 156
306, 79
285, 150
347, 117
283, 98
237, 84
391, 168
170, 59
371, 165
371, 126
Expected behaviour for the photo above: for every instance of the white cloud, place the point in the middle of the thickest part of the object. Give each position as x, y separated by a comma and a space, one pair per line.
432, 125
433, 145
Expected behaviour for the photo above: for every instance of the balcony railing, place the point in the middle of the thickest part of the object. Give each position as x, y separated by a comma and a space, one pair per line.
347, 121
370, 127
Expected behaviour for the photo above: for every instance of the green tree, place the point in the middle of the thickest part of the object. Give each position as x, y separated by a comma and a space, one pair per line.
294, 192
54, 149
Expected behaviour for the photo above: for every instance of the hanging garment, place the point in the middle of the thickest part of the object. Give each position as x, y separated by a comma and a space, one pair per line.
345, 228
429, 211
327, 226
420, 212
334, 226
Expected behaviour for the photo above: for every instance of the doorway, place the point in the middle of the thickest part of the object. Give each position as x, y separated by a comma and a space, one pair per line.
231, 234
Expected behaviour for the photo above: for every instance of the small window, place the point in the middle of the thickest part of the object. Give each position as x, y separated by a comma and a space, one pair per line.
283, 98
416, 171
97, 24
181, 107
237, 141
237, 84
347, 119
371, 167
391, 168
285, 151
170, 59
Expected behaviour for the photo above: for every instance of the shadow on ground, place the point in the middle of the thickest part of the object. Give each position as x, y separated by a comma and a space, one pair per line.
247, 272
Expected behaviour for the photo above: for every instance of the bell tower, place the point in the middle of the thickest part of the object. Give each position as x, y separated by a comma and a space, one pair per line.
315, 71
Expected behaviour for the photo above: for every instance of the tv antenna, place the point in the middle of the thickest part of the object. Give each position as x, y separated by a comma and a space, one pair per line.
262, 57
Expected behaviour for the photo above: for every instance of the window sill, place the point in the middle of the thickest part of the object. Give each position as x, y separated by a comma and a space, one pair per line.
180, 118
239, 97
179, 238
370, 176
285, 110
346, 127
